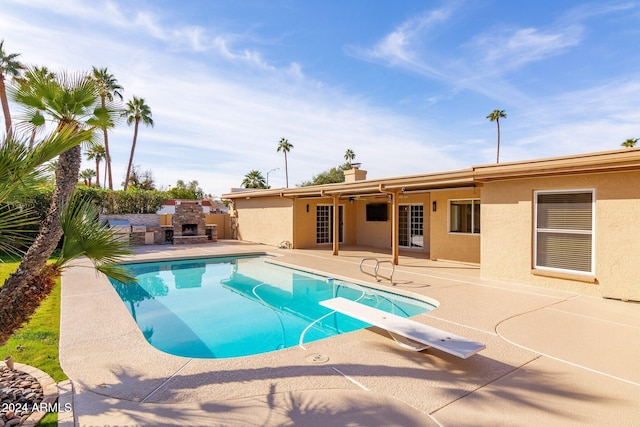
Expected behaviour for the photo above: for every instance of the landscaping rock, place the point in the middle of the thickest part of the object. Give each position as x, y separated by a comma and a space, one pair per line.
19, 394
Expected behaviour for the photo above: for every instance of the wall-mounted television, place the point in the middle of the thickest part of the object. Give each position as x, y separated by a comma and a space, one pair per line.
377, 211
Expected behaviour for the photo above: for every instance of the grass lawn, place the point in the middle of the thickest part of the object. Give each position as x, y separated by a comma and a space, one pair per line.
36, 343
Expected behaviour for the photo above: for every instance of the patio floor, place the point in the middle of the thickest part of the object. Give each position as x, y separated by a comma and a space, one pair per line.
552, 358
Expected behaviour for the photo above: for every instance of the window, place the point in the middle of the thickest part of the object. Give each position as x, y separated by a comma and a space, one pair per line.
464, 216
564, 230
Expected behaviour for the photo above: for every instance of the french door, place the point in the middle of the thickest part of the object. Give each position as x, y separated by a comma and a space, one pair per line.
324, 224
410, 223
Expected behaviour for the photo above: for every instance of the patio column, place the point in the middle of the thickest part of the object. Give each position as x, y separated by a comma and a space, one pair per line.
395, 229
336, 224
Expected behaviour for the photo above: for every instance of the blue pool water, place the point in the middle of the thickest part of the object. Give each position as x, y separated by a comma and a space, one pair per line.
230, 307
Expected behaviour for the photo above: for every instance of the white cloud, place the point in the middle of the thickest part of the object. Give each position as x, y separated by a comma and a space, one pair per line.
400, 47
504, 50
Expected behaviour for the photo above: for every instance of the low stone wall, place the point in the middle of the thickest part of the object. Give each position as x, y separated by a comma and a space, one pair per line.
150, 220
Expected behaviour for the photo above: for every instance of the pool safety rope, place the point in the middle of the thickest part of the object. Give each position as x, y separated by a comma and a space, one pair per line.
329, 280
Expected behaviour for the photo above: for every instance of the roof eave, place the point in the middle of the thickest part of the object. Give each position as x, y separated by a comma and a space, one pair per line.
605, 161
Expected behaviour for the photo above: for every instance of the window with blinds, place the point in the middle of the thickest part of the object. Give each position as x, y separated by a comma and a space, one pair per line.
564, 230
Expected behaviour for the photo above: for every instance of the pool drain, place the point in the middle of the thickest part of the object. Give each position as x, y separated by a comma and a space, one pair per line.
318, 358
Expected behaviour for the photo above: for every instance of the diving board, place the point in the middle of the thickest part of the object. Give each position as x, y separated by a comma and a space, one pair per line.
407, 333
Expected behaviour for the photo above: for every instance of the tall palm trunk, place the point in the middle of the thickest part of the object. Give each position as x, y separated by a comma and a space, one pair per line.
107, 156
5, 106
97, 172
498, 153
107, 159
22, 284
286, 169
133, 149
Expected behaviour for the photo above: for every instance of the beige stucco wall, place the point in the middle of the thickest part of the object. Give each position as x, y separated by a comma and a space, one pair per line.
453, 246
223, 221
267, 220
375, 234
507, 232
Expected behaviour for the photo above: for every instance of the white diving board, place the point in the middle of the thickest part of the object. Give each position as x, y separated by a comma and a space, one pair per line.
407, 333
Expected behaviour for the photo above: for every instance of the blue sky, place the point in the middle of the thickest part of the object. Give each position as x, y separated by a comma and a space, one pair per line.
406, 85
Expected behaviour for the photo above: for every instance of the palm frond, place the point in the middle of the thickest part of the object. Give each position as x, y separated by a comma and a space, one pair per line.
85, 236
14, 232
21, 167
117, 273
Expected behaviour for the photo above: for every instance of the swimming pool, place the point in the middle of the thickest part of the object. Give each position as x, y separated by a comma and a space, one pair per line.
239, 306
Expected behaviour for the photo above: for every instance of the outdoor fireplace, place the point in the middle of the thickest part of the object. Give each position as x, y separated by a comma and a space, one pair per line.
189, 223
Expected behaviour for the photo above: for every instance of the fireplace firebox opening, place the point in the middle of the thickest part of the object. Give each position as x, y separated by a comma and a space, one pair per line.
189, 229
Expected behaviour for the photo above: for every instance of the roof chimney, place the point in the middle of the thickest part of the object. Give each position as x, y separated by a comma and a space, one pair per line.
355, 174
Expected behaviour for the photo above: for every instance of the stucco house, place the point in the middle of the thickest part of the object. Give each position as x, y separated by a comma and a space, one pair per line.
570, 222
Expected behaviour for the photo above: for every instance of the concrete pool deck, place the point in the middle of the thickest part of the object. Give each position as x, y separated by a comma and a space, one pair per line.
552, 358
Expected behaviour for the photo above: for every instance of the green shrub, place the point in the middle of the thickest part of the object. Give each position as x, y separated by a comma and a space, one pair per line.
132, 201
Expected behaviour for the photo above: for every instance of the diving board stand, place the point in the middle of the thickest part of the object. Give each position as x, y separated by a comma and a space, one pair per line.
407, 333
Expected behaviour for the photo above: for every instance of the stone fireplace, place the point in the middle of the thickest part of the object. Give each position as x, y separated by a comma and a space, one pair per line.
189, 223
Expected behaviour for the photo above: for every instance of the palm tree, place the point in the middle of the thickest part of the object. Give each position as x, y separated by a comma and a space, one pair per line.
495, 116
254, 179
137, 111
108, 87
22, 169
97, 153
630, 142
87, 176
349, 156
71, 102
9, 66
84, 235
285, 147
